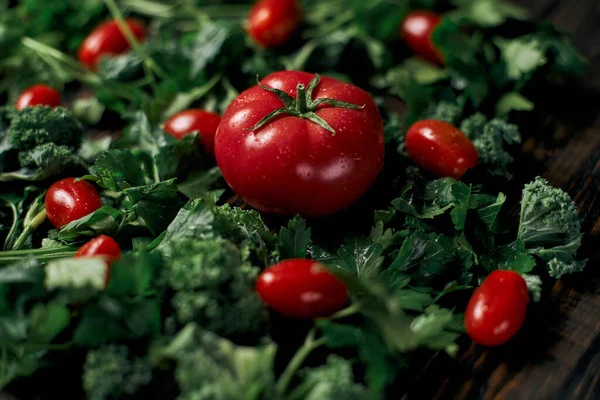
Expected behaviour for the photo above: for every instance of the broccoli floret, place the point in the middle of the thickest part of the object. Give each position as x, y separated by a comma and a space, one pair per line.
214, 286
474, 124
245, 227
212, 368
7, 113
33, 126
550, 227
490, 139
333, 381
558, 267
444, 111
109, 372
8, 154
49, 155
48, 161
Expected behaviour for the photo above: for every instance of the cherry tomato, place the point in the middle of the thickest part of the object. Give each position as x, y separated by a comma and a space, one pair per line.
301, 289
195, 120
416, 30
103, 246
497, 308
272, 22
440, 148
108, 39
68, 200
38, 95
291, 164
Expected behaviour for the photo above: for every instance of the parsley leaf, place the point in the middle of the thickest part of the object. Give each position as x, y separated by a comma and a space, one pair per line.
294, 238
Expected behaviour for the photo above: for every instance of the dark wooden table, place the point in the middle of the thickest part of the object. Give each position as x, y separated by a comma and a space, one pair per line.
557, 355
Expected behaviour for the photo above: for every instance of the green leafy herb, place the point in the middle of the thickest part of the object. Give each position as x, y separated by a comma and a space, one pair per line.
110, 372
550, 227
294, 239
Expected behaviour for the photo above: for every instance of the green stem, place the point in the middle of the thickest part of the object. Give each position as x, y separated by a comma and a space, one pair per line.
185, 10
46, 346
301, 105
346, 312
42, 255
310, 344
68, 65
230, 11
148, 63
30, 226
5, 376
13, 227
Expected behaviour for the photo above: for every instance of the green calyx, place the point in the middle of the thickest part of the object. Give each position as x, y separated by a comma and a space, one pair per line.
303, 105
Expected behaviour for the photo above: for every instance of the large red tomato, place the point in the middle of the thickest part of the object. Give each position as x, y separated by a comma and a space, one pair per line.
297, 145
108, 39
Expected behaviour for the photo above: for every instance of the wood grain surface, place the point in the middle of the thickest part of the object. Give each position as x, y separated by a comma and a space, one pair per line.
557, 354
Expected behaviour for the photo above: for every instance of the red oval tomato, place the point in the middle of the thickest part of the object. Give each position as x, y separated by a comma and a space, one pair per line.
301, 289
103, 246
497, 308
108, 39
440, 148
416, 30
272, 22
38, 95
291, 164
195, 120
68, 200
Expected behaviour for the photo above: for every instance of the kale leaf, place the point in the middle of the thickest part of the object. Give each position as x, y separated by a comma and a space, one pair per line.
550, 228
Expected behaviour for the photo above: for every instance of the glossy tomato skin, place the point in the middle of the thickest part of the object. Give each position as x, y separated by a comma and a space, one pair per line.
101, 246
68, 200
107, 39
416, 30
440, 148
195, 120
301, 289
38, 95
272, 22
497, 308
292, 165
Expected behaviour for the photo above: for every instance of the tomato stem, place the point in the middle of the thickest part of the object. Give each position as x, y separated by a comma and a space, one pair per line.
303, 106
310, 344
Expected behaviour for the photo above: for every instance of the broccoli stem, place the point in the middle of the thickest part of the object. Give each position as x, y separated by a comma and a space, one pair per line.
42, 255
149, 65
346, 312
310, 344
35, 216
13, 226
36, 221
